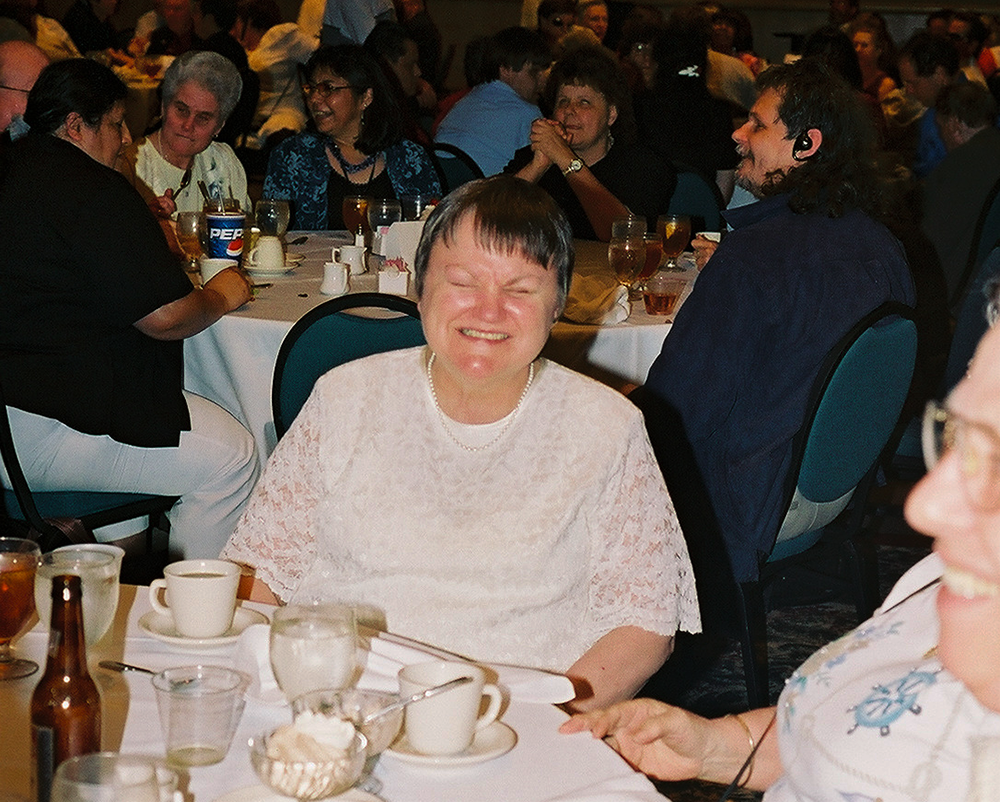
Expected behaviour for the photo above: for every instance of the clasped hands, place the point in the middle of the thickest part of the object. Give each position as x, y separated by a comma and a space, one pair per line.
550, 145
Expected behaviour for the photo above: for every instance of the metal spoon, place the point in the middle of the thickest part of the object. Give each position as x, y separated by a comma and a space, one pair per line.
415, 698
116, 665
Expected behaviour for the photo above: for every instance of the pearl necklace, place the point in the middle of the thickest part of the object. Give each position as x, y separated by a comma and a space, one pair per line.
503, 429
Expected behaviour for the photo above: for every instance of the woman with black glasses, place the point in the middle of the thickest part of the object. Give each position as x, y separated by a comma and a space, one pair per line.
353, 146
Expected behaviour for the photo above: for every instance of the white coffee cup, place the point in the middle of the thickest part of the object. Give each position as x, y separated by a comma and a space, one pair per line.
210, 267
200, 595
446, 723
334, 279
269, 254
351, 255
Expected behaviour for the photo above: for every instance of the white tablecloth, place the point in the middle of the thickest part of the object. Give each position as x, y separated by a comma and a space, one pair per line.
544, 765
232, 362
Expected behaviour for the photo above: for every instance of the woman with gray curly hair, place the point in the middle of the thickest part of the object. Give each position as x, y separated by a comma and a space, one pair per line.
200, 90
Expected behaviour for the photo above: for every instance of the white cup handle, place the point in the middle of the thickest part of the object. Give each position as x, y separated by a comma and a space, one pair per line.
335, 255
154, 596
493, 710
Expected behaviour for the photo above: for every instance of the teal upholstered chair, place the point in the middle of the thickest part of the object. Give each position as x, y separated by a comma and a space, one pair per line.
698, 198
328, 336
57, 518
854, 408
455, 167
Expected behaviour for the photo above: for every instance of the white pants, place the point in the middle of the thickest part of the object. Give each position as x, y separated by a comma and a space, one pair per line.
213, 469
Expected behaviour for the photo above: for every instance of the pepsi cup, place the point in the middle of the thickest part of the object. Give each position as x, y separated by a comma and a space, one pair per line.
225, 235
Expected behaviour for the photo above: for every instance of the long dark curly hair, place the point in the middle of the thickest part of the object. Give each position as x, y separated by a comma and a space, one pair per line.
844, 173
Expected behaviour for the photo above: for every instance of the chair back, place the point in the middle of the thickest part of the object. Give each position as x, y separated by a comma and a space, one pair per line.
854, 407
970, 324
698, 198
984, 237
328, 336
455, 167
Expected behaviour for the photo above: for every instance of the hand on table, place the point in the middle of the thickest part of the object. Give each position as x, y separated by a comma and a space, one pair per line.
232, 286
655, 738
703, 250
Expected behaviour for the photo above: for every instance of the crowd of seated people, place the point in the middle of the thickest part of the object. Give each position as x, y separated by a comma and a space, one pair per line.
602, 114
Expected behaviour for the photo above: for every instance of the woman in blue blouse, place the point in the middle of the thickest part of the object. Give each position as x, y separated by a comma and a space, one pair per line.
353, 147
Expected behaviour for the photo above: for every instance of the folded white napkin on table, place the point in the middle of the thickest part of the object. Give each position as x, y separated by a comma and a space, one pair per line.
598, 300
385, 655
401, 241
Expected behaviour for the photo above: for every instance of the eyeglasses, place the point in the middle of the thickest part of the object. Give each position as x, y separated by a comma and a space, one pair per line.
324, 88
977, 448
14, 89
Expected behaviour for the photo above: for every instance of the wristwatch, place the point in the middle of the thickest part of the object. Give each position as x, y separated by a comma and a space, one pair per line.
574, 166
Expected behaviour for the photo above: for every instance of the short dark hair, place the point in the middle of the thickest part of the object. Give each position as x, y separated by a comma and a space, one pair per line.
834, 48
927, 52
513, 48
380, 125
260, 14
843, 173
978, 32
388, 39
510, 215
597, 68
75, 85
222, 11
970, 103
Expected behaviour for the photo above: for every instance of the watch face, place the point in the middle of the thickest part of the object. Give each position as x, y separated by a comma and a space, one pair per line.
574, 166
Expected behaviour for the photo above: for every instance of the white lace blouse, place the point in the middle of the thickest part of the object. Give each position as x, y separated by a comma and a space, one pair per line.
526, 552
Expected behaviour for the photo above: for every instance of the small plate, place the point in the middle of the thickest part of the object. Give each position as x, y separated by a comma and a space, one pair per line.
259, 793
490, 742
294, 258
162, 628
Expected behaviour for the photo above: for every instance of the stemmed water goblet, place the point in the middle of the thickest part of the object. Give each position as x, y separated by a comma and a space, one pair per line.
18, 563
675, 232
272, 217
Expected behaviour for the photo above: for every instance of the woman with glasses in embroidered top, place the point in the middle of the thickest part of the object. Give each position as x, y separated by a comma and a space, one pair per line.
353, 146
893, 709
489, 501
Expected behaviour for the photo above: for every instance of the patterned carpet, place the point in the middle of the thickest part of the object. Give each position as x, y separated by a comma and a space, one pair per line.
795, 632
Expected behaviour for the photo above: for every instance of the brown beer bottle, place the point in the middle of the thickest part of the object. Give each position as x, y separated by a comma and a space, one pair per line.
65, 707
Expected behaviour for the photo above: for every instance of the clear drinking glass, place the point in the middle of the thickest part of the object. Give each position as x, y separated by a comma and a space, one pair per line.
189, 226
313, 646
355, 211
18, 563
627, 249
272, 217
98, 566
675, 231
106, 777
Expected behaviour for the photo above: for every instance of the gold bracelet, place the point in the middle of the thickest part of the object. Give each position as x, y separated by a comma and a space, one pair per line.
753, 745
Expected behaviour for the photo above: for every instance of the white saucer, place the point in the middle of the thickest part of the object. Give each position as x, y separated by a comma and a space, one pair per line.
162, 628
260, 793
294, 258
268, 271
490, 742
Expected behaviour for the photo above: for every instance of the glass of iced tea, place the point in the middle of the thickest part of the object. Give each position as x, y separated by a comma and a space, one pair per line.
355, 211
627, 249
189, 225
675, 233
18, 562
654, 255
661, 292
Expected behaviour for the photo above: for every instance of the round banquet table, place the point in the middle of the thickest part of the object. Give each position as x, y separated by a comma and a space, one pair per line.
232, 361
543, 766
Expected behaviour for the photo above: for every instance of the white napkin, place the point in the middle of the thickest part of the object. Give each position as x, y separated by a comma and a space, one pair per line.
401, 240
389, 652
253, 655
597, 300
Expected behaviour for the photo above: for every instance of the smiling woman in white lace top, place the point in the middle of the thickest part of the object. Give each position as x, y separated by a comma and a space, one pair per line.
489, 501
